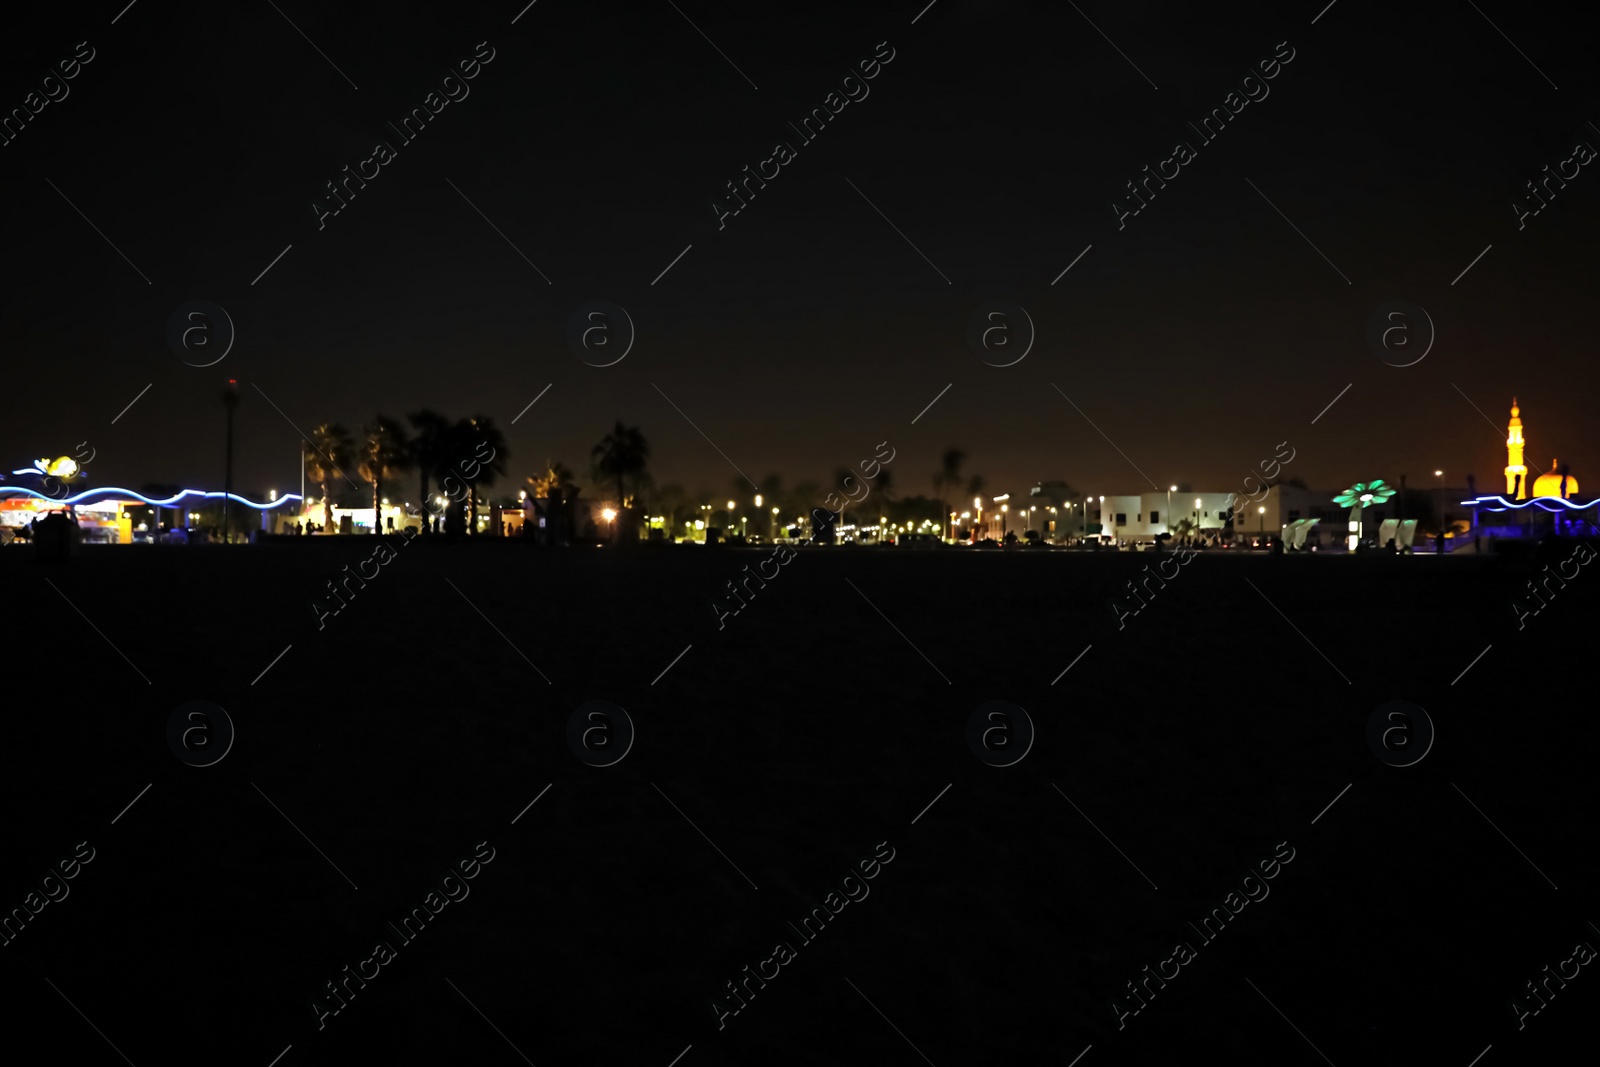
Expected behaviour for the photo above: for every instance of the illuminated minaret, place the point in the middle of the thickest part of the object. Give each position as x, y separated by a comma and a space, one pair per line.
1516, 473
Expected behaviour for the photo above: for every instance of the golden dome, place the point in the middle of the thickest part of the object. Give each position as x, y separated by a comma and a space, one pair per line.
1549, 483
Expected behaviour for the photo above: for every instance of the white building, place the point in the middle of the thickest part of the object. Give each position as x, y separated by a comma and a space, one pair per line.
1143, 517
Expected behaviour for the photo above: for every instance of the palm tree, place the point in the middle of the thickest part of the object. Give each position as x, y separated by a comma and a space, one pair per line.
800, 500
621, 456
947, 477
482, 436
331, 446
670, 501
841, 475
386, 451
427, 451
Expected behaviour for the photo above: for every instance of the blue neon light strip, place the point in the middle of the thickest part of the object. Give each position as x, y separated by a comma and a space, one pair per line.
1542, 502
120, 494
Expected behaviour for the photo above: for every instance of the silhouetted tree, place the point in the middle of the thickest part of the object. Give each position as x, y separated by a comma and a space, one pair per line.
427, 451
947, 477
480, 450
385, 452
620, 456
331, 446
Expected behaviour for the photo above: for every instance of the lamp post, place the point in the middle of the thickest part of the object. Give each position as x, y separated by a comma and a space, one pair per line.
772, 528
1170, 490
1261, 520
1197, 518
230, 400
1440, 475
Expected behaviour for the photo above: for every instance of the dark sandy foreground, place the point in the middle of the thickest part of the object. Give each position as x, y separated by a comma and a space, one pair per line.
1200, 740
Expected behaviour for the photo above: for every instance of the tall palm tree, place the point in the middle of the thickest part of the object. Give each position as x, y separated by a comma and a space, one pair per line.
620, 456
385, 452
841, 475
948, 477
427, 451
800, 500
482, 451
330, 453
670, 502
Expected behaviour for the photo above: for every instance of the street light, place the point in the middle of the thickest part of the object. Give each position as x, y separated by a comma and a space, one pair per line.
1440, 475
1170, 490
1261, 520
772, 530
608, 515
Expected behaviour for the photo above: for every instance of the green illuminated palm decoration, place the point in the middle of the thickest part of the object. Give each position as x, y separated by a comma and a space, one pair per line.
1359, 496
1362, 494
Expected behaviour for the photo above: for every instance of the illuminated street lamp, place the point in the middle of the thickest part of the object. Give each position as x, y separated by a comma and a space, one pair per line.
610, 517
1170, 490
1261, 520
1440, 475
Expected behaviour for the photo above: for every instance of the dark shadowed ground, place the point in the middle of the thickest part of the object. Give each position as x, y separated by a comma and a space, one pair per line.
797, 739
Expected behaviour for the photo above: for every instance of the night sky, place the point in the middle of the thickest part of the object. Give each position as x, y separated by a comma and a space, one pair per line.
807, 330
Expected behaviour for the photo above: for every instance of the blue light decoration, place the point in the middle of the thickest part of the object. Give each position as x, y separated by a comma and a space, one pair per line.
1543, 502
123, 494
